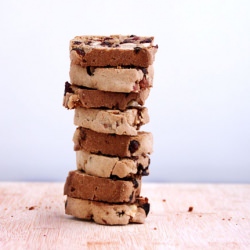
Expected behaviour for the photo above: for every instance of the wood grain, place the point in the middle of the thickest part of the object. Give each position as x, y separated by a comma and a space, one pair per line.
183, 216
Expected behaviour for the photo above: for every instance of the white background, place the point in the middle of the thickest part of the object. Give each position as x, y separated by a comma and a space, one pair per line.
199, 106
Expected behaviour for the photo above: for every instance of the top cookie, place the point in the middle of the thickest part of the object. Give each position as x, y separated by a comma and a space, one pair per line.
114, 50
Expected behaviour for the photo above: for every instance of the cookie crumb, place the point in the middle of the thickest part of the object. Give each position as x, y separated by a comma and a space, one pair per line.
31, 208
163, 200
190, 209
155, 228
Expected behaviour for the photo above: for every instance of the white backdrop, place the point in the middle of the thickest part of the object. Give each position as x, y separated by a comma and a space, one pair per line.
199, 106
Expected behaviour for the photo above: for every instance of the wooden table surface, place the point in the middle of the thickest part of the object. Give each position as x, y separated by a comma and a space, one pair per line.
182, 216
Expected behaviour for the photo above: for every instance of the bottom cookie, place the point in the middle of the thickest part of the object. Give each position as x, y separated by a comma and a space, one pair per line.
108, 213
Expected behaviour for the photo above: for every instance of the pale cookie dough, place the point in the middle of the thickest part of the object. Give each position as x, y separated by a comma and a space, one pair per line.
83, 186
126, 122
123, 80
107, 167
112, 144
75, 96
114, 50
108, 214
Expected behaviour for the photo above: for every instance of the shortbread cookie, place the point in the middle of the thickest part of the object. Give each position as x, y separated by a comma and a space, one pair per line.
75, 96
108, 167
106, 213
84, 186
120, 79
126, 122
115, 50
112, 144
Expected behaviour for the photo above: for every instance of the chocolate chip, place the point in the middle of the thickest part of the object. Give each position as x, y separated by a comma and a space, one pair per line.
190, 209
83, 135
142, 171
147, 40
79, 51
137, 50
106, 43
146, 208
107, 38
144, 71
127, 41
120, 214
131, 197
90, 70
77, 42
133, 146
135, 183
72, 189
67, 88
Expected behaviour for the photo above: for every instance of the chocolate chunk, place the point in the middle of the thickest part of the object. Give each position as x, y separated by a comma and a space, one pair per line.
131, 196
133, 146
146, 208
68, 88
90, 70
144, 70
142, 171
79, 51
147, 40
135, 183
137, 50
106, 43
127, 41
120, 214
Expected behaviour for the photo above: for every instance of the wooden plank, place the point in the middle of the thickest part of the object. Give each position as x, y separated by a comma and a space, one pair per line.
32, 217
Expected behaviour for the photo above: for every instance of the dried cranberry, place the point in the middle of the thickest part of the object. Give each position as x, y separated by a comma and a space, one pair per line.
133, 146
144, 83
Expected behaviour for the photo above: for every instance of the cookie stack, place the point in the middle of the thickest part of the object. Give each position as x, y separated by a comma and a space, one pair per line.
110, 80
